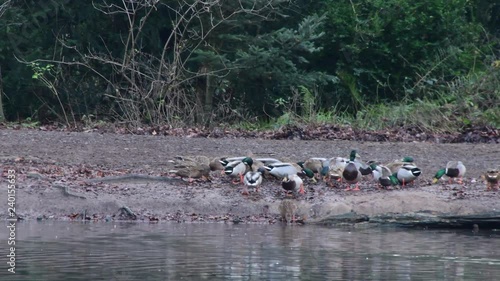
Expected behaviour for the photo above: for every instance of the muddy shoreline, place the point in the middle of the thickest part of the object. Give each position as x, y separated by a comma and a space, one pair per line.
53, 171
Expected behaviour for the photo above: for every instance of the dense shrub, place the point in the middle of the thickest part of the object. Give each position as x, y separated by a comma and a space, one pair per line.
195, 62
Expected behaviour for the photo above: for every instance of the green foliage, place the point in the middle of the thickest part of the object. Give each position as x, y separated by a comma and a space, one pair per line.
422, 114
40, 70
466, 101
476, 98
275, 62
28, 123
368, 63
379, 43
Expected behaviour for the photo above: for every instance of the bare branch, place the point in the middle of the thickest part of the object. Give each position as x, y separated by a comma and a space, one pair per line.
4, 6
162, 88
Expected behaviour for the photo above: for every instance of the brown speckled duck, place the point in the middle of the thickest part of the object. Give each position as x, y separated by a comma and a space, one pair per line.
191, 167
317, 165
336, 168
287, 210
492, 177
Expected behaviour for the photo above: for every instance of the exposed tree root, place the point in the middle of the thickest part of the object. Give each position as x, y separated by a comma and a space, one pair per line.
134, 177
67, 192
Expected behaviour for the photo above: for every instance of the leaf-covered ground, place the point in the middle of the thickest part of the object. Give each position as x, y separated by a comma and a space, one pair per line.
482, 134
56, 172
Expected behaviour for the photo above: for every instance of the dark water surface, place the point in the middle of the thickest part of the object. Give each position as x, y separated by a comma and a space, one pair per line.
170, 251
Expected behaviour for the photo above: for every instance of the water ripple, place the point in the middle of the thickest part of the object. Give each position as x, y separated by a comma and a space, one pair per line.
73, 251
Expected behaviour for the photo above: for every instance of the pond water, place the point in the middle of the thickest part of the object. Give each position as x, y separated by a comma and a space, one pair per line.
170, 251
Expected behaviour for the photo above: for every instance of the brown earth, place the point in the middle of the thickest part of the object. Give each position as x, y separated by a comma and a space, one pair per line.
49, 163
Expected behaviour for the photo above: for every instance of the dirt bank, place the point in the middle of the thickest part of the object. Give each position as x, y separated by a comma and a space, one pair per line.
52, 170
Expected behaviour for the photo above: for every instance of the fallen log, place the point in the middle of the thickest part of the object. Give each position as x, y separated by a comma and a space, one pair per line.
426, 219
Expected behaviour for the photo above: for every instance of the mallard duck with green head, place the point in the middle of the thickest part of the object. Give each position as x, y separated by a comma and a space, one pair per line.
318, 165
253, 179
396, 164
262, 160
492, 177
238, 168
383, 175
280, 170
293, 183
226, 160
220, 163
315, 164
453, 169
407, 173
351, 173
363, 168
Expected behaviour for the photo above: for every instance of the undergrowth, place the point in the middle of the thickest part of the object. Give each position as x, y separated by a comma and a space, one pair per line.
468, 101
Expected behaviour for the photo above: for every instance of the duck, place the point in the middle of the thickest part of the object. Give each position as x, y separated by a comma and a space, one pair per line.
492, 176
453, 169
301, 171
226, 160
314, 164
383, 175
362, 167
396, 164
216, 165
253, 179
261, 160
191, 167
280, 170
238, 168
221, 163
257, 165
193, 159
305, 172
336, 168
351, 173
287, 210
318, 165
256, 162
293, 183
407, 173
